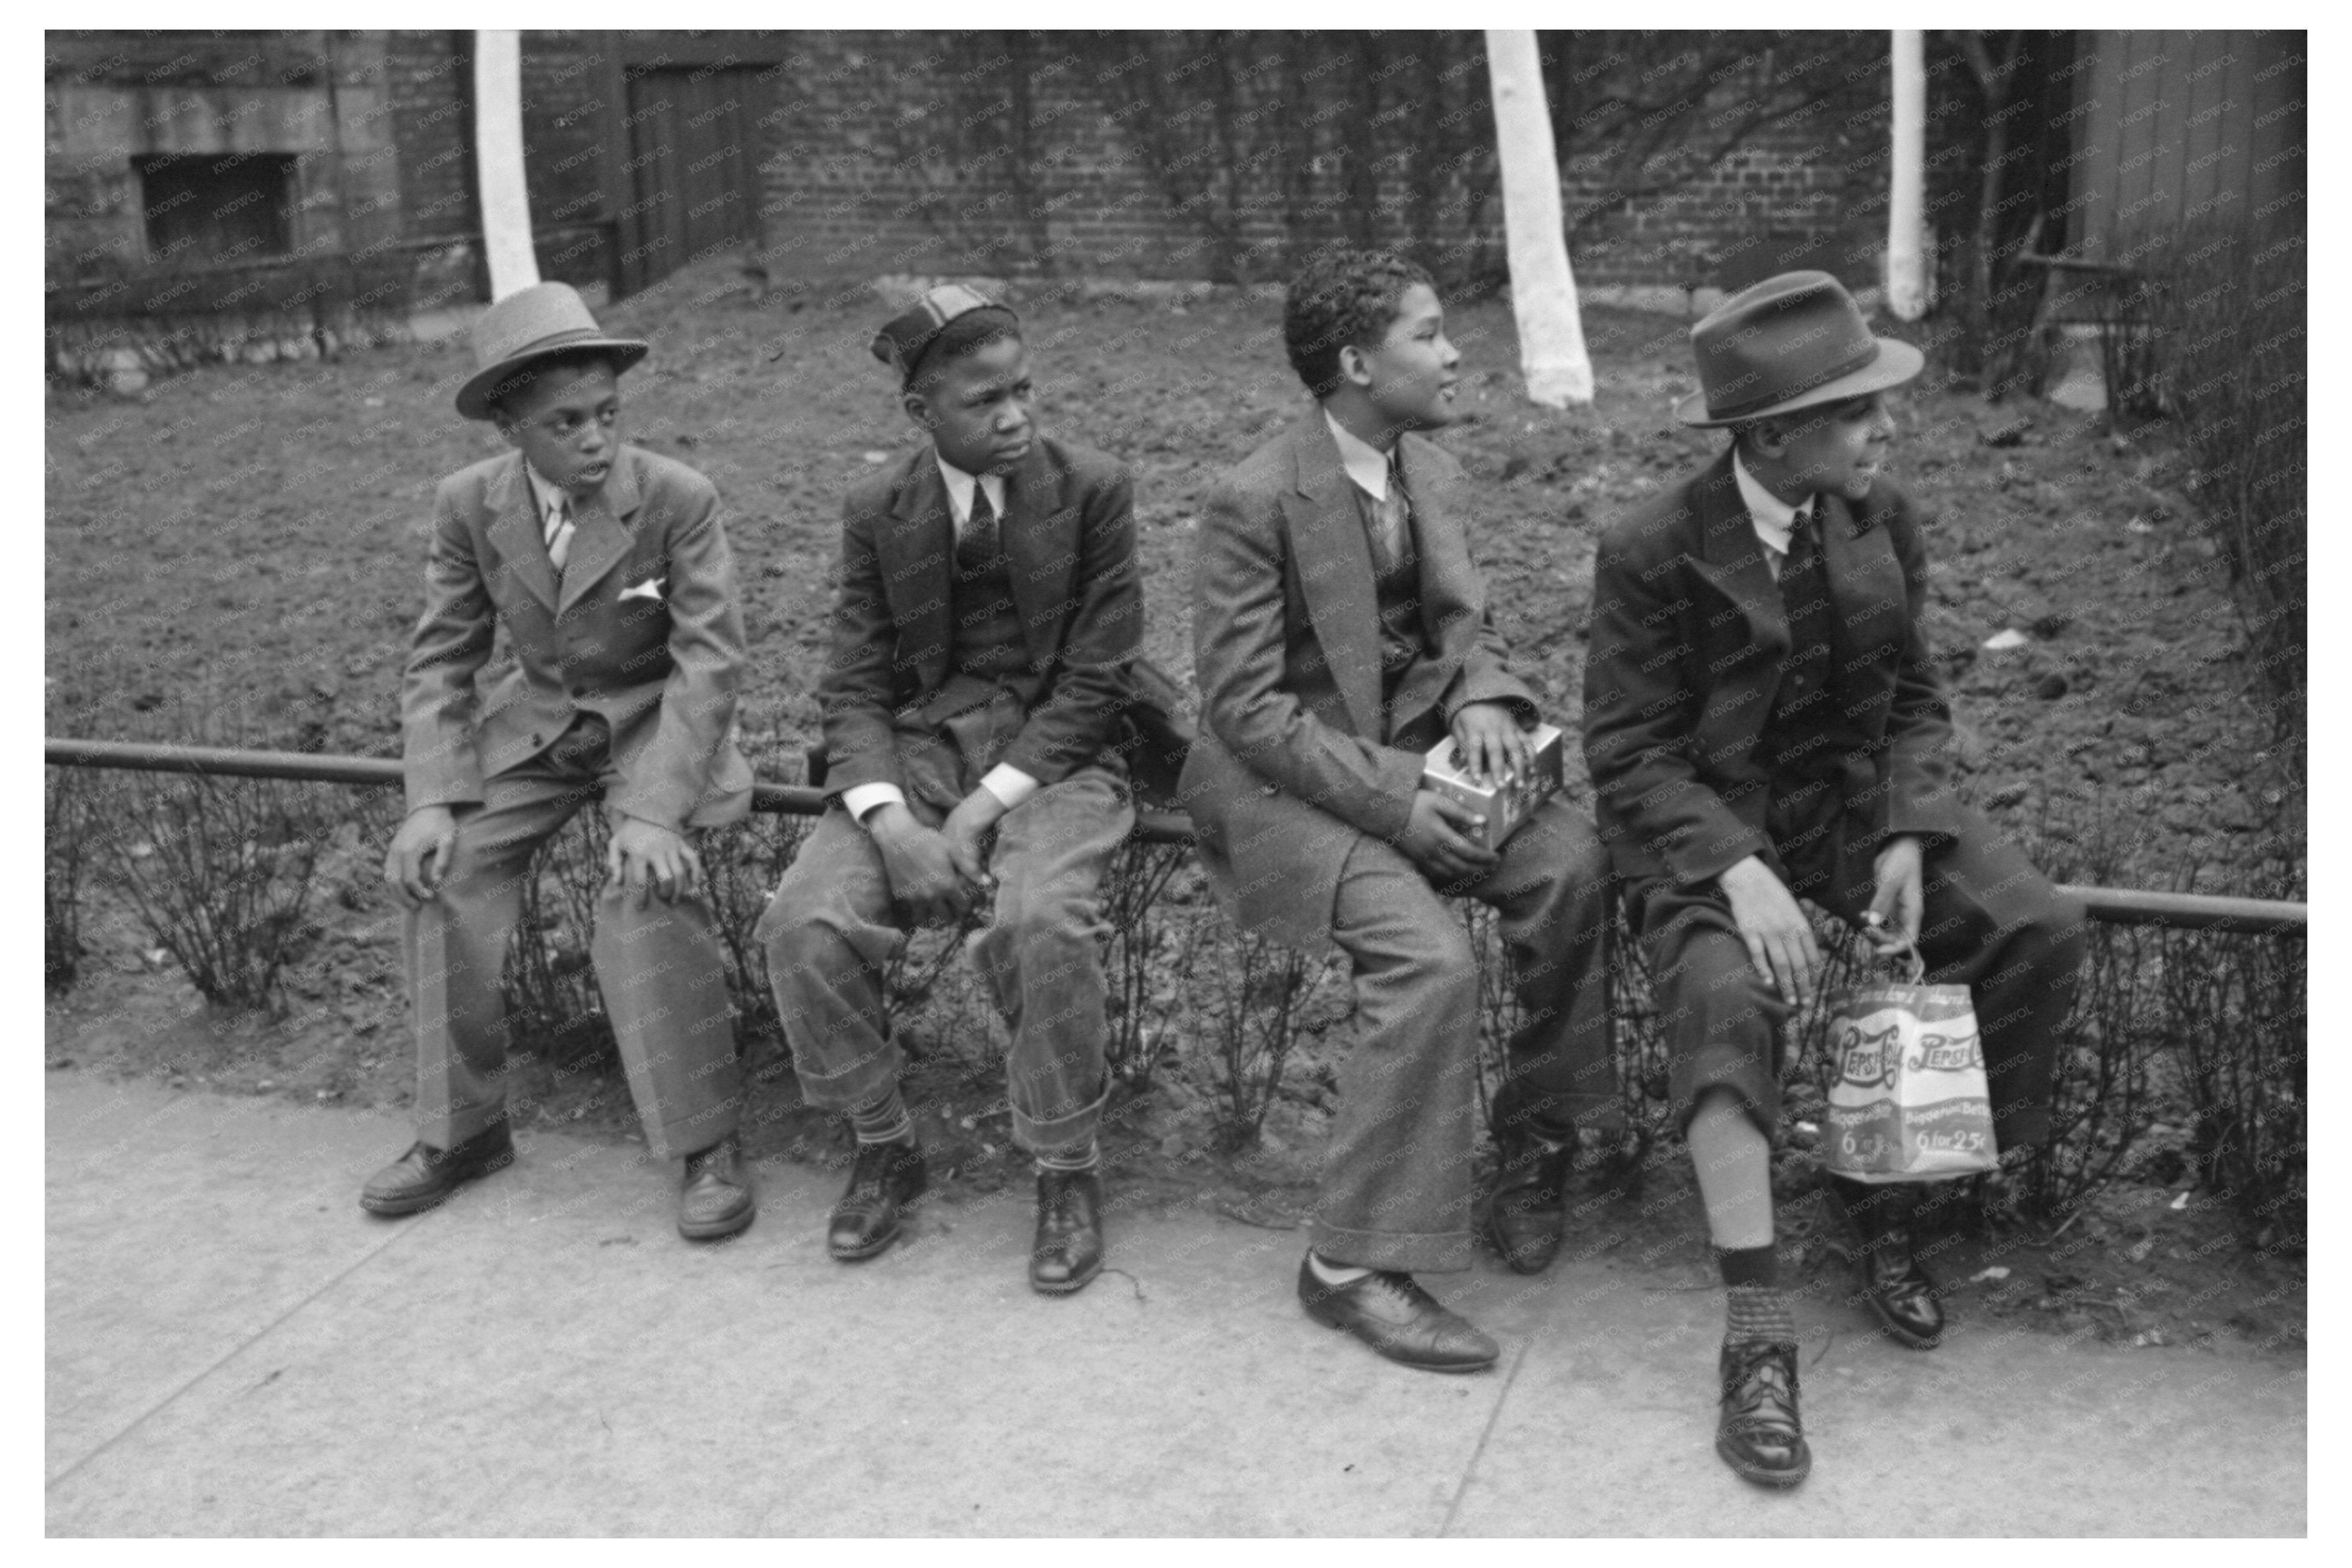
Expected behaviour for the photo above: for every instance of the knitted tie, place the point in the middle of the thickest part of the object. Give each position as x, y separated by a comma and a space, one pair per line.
1805, 599
977, 545
559, 531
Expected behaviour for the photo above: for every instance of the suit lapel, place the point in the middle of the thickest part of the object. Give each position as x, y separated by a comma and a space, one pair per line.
1042, 557
516, 532
1335, 571
1450, 597
600, 535
916, 547
1731, 557
1865, 578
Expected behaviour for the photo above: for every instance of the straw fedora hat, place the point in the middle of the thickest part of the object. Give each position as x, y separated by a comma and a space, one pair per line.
532, 323
1789, 343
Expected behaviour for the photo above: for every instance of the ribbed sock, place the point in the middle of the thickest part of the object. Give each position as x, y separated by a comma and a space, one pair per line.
884, 1121
1078, 1157
1334, 1273
1757, 1309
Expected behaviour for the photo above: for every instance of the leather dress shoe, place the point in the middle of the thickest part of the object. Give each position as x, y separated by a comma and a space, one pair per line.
715, 1197
1897, 1288
424, 1176
1069, 1249
1529, 1207
1758, 1432
886, 1178
1390, 1311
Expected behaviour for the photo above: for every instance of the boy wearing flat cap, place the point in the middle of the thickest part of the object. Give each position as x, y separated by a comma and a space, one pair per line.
608, 569
987, 614
1764, 722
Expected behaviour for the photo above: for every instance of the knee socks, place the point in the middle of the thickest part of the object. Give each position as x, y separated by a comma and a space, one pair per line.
884, 1121
1756, 1308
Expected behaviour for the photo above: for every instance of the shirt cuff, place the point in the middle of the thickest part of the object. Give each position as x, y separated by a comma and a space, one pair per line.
859, 799
1008, 785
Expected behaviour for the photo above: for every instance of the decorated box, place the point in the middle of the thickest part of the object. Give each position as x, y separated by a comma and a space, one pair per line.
1506, 805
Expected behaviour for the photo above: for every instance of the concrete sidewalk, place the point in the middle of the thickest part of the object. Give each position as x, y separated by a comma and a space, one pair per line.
233, 1347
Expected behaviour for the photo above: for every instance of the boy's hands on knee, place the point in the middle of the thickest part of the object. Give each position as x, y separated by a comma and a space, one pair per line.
419, 855
1432, 839
645, 856
974, 815
1779, 938
1901, 894
1492, 744
921, 867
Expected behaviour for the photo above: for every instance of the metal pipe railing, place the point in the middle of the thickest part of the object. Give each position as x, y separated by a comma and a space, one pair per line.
2113, 906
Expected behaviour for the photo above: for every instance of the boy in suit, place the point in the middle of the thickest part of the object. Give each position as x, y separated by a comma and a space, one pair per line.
607, 567
1340, 631
1764, 721
988, 610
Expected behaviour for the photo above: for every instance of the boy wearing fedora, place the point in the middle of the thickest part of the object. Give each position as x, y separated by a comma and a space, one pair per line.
608, 568
988, 611
1764, 722
1340, 631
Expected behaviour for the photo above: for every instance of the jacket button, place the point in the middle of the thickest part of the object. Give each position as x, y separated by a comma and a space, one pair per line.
578, 692
537, 740
1271, 789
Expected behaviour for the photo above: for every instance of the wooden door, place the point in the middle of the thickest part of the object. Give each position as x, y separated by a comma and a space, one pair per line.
694, 168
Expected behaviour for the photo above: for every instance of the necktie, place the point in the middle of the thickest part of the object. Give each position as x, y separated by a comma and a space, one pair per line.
977, 545
559, 532
1804, 591
1395, 512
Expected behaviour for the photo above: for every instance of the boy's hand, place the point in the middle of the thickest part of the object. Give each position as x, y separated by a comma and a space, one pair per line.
1492, 745
1901, 895
419, 855
645, 856
974, 815
1779, 938
1431, 839
922, 871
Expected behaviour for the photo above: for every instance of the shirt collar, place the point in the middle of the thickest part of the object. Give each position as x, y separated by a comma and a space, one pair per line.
960, 486
1772, 517
1366, 464
543, 494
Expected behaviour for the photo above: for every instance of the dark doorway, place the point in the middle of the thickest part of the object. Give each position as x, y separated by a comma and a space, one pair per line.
694, 166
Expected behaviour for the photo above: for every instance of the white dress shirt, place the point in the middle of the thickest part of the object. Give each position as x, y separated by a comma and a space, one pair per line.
547, 497
1366, 464
1008, 783
1772, 518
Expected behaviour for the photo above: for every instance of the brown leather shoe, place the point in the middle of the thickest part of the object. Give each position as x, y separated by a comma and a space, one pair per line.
1757, 1431
715, 1198
1069, 1249
1529, 1209
1391, 1313
1878, 1219
423, 1177
886, 1178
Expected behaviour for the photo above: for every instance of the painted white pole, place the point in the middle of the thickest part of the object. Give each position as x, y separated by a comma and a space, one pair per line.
498, 155
1543, 291
1910, 286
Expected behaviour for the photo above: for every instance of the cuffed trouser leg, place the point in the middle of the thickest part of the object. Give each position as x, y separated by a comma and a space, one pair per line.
664, 979
455, 945
1042, 954
828, 934
1396, 1183
1552, 893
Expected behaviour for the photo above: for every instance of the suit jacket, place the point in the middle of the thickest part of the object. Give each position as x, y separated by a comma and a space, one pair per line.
1293, 760
1068, 529
1689, 639
643, 629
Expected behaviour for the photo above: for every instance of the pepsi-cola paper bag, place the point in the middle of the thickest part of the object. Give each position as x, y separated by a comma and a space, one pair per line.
1910, 1103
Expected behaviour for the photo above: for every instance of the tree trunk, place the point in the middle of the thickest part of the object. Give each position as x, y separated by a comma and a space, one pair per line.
497, 152
1910, 286
1543, 289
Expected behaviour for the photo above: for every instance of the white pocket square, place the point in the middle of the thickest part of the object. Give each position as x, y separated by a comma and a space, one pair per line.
651, 588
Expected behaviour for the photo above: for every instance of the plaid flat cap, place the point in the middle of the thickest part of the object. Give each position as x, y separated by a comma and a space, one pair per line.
904, 337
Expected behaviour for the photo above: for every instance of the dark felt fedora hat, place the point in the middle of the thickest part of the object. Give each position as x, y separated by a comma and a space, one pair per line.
904, 337
532, 323
1789, 343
